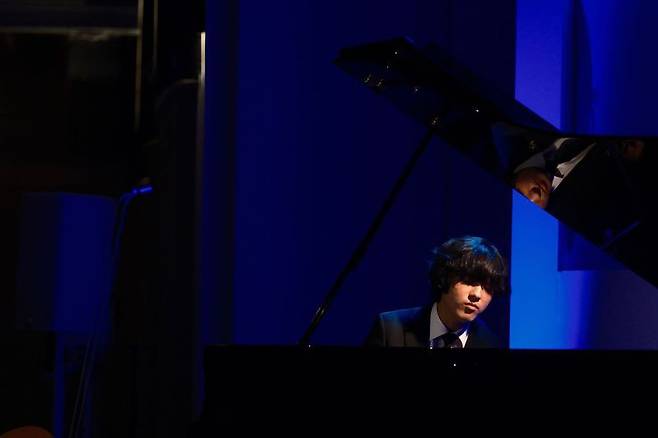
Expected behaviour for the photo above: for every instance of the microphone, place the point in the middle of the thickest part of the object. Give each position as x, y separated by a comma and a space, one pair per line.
144, 189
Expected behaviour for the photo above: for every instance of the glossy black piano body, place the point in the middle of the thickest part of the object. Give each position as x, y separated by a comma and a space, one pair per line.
265, 386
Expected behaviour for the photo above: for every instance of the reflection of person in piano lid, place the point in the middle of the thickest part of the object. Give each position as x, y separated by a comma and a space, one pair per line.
534, 183
595, 187
465, 275
542, 173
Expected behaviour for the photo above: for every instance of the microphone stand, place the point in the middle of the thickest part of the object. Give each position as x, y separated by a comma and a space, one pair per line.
361, 249
77, 418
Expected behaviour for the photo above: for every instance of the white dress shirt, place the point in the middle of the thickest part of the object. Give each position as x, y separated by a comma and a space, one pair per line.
438, 328
563, 169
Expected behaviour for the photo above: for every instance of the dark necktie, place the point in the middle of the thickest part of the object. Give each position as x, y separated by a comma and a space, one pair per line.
447, 340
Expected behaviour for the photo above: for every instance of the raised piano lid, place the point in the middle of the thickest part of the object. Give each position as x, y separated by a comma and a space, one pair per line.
606, 183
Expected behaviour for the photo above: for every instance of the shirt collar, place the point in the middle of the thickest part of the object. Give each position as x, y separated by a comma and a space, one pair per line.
566, 167
438, 328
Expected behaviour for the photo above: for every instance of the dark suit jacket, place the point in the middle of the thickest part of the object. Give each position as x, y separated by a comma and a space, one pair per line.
411, 328
593, 199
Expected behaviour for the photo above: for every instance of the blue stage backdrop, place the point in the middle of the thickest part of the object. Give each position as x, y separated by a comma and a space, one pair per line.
315, 155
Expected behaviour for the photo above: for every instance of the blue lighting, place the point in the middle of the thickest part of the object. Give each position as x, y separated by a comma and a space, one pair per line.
142, 190
540, 53
549, 308
534, 307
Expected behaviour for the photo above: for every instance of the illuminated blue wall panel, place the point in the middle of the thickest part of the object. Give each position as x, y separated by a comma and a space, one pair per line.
587, 66
540, 52
616, 66
535, 306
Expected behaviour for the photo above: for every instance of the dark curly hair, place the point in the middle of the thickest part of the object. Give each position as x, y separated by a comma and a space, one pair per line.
471, 260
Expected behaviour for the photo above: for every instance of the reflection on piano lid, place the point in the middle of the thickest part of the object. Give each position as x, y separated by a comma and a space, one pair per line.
597, 185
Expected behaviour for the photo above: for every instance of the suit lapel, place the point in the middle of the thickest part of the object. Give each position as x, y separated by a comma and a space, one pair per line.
480, 336
473, 340
417, 331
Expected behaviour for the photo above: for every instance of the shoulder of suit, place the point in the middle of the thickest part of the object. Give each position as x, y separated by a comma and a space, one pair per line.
481, 330
401, 314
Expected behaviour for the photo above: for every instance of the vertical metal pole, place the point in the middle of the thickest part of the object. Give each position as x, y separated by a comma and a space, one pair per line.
139, 47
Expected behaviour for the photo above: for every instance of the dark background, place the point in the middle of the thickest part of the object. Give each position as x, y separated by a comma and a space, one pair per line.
267, 175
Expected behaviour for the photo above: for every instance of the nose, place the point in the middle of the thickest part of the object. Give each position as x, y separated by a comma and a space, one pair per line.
475, 293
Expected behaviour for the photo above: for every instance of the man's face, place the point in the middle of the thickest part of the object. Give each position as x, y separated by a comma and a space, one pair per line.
534, 184
462, 304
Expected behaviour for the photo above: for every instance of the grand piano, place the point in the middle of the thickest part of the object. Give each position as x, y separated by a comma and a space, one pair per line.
601, 198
